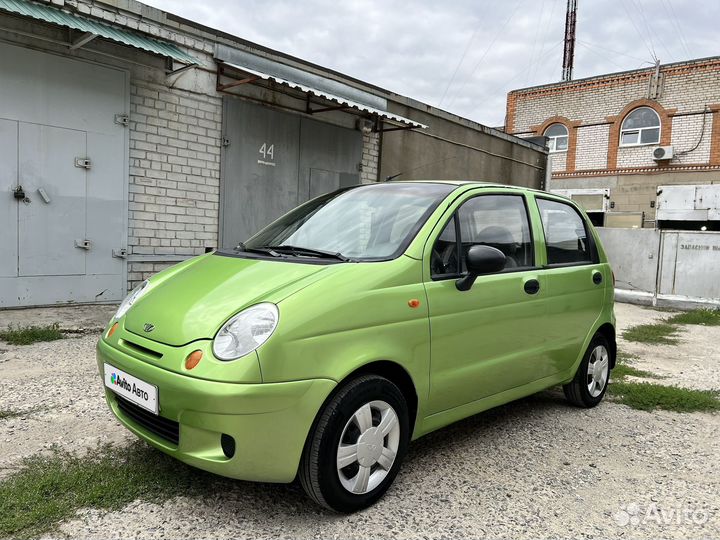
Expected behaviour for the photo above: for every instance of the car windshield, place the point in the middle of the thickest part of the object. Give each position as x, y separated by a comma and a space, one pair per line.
365, 223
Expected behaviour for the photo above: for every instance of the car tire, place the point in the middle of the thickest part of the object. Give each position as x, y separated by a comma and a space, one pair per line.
590, 383
356, 445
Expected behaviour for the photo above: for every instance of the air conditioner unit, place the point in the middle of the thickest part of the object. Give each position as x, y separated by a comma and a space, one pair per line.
663, 153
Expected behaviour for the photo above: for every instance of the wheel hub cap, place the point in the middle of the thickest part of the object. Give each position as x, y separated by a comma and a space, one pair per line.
598, 370
368, 447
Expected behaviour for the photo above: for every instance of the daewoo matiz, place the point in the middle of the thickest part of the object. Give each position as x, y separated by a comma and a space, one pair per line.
359, 321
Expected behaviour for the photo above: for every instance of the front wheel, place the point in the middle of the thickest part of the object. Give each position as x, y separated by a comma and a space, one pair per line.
355, 448
590, 383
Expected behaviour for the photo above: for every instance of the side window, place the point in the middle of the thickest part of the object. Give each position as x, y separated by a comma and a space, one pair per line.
500, 221
444, 260
565, 233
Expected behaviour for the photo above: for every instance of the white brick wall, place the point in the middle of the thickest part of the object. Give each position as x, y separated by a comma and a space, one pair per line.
688, 91
686, 133
174, 173
635, 156
592, 142
370, 158
558, 161
589, 106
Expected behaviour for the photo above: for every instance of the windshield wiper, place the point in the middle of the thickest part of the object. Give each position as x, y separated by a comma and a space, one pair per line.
264, 250
296, 250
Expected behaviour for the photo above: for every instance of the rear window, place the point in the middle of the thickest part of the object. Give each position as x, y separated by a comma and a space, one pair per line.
566, 236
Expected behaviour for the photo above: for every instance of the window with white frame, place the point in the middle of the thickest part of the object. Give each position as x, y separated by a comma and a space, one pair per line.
557, 135
641, 126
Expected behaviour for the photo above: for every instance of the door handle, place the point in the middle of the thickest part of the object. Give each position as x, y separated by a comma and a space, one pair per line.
597, 278
532, 286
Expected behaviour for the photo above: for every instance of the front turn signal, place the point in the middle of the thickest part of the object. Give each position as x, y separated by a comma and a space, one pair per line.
112, 330
193, 359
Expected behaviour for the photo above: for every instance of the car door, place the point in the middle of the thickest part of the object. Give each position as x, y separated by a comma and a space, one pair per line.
575, 278
484, 340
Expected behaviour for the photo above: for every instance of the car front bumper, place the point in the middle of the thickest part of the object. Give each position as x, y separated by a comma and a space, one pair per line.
268, 421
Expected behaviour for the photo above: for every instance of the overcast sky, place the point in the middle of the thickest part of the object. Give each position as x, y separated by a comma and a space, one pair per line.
464, 55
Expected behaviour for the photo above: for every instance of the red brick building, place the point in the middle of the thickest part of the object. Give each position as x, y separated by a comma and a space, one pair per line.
605, 134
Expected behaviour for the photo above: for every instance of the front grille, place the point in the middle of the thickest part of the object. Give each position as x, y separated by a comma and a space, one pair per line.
140, 349
162, 427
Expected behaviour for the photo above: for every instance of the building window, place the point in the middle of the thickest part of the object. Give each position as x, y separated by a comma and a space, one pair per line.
557, 135
641, 126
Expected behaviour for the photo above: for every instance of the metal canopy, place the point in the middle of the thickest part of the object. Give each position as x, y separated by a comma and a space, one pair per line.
92, 29
254, 74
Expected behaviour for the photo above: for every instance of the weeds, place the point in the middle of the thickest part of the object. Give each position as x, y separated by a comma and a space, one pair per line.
51, 488
27, 335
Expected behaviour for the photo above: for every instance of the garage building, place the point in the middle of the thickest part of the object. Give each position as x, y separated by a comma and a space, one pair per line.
131, 139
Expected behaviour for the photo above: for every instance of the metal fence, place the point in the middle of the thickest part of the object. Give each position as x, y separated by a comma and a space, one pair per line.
664, 268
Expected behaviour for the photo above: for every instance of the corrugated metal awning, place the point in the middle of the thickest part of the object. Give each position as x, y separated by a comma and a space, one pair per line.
94, 28
341, 101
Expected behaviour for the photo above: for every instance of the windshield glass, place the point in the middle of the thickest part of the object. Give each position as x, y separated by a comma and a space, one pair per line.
368, 222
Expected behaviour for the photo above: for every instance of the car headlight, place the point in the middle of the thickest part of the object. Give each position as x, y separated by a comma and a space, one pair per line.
246, 331
130, 299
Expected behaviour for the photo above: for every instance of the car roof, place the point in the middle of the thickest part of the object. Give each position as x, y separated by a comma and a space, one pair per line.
470, 183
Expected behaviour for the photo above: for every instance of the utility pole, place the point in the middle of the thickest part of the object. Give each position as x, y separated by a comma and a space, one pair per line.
569, 53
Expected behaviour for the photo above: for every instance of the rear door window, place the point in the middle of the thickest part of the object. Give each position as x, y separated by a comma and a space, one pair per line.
566, 236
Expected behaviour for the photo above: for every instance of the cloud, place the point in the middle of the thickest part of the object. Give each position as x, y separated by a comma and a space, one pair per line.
414, 48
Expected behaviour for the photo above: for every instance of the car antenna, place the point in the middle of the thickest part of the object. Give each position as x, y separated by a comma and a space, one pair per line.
393, 176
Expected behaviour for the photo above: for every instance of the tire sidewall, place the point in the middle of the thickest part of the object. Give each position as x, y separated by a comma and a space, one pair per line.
374, 388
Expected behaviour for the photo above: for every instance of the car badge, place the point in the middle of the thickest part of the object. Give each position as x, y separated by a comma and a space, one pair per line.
149, 327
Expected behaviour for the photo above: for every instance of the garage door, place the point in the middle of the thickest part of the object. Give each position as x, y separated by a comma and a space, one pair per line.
62, 179
274, 161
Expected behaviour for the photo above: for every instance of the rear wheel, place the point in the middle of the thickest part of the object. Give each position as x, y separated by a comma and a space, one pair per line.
357, 443
588, 387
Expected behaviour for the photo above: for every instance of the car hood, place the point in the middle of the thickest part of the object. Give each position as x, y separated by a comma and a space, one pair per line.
192, 302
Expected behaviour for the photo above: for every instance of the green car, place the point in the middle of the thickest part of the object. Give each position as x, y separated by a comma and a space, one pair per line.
361, 320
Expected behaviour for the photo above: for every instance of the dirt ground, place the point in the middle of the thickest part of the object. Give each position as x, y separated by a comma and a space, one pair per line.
692, 363
536, 468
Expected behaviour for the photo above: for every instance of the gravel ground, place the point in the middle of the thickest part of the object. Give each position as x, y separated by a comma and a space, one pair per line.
691, 363
57, 388
536, 468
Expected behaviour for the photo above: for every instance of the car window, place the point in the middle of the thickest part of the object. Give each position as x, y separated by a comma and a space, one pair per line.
444, 260
369, 222
566, 238
499, 221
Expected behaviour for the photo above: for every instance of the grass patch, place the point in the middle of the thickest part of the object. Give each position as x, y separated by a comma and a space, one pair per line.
31, 334
9, 414
705, 317
51, 488
621, 371
657, 333
649, 396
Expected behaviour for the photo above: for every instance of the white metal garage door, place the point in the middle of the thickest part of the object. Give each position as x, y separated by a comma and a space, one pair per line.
63, 179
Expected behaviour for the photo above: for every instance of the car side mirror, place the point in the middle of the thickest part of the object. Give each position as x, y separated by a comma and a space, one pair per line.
480, 260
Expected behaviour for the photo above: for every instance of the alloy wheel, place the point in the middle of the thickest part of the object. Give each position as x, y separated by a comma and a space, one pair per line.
598, 370
368, 447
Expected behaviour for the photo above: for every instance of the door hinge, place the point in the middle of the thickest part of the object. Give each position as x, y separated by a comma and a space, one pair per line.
83, 244
83, 163
122, 119
119, 253
226, 141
